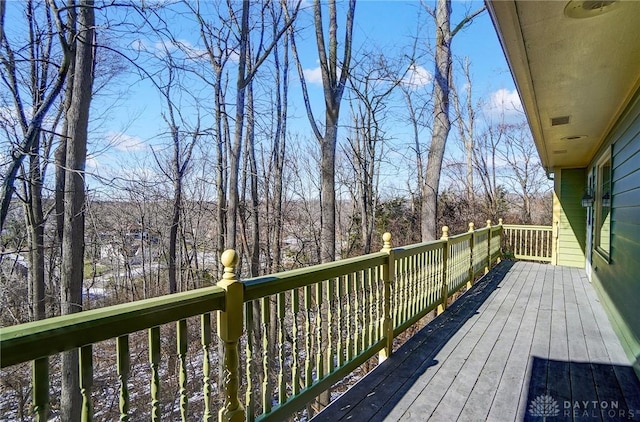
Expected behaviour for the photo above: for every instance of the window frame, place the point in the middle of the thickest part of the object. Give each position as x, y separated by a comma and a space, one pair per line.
603, 213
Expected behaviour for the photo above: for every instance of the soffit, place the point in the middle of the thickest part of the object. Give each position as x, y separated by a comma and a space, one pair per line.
586, 69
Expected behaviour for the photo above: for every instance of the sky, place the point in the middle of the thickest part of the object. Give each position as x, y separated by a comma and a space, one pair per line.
128, 123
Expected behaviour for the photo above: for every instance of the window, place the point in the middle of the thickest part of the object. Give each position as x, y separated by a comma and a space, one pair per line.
602, 204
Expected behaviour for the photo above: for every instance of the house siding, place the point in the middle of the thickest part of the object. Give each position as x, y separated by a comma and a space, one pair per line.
617, 280
570, 217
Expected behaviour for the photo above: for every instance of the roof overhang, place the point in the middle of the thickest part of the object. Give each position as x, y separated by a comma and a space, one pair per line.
576, 65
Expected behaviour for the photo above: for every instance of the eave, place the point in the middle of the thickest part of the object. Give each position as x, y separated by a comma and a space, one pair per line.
585, 68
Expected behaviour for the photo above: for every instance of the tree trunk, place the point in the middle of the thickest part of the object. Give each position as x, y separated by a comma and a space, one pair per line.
253, 180
35, 224
441, 121
73, 232
173, 232
328, 191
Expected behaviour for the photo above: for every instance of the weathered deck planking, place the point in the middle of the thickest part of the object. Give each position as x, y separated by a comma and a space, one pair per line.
527, 331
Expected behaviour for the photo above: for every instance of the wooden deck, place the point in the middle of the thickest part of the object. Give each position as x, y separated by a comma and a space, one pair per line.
527, 335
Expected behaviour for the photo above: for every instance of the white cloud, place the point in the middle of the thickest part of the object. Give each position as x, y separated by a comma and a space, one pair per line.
313, 76
504, 102
124, 142
417, 76
92, 163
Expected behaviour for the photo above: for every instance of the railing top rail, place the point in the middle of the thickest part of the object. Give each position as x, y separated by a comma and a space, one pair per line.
258, 287
37, 339
526, 227
459, 238
482, 230
404, 251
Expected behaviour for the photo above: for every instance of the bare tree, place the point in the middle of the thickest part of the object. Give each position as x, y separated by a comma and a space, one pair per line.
30, 127
524, 173
372, 83
28, 85
334, 79
72, 262
465, 121
441, 118
486, 163
248, 66
273, 161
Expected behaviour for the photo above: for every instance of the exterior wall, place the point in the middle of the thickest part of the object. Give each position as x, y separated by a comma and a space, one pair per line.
569, 217
617, 279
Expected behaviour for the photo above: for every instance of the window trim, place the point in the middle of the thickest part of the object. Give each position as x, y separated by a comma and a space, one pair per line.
598, 207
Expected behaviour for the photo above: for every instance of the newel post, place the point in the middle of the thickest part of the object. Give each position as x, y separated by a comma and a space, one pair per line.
488, 267
230, 330
501, 232
445, 258
388, 272
472, 240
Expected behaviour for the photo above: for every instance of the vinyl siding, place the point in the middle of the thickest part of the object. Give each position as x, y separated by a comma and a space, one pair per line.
617, 281
570, 217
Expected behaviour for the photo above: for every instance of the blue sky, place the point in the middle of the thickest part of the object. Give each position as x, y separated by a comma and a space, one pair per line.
129, 126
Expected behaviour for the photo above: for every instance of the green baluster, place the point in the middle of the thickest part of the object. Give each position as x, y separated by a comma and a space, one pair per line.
308, 364
123, 363
205, 341
154, 360
340, 318
379, 304
266, 381
349, 319
295, 370
249, 351
86, 381
366, 308
319, 333
422, 285
356, 320
282, 386
182, 339
330, 324
40, 371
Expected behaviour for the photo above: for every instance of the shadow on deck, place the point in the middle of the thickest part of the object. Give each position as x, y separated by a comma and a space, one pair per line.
528, 342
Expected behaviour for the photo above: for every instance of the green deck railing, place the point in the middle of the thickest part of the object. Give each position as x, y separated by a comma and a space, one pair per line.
533, 243
285, 338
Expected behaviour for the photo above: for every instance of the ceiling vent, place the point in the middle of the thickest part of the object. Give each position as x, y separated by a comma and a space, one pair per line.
559, 121
580, 9
573, 137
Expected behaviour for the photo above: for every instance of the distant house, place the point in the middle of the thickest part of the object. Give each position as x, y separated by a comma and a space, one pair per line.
576, 65
128, 249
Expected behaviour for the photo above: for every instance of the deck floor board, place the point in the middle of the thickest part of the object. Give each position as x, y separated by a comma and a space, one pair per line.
524, 332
